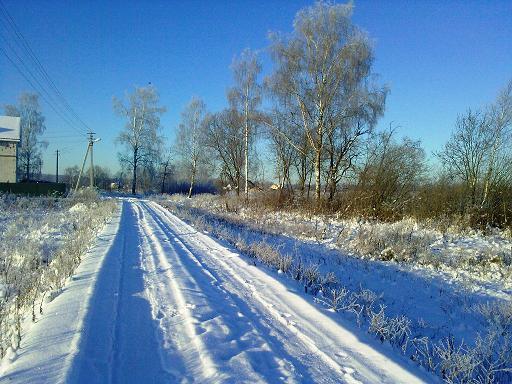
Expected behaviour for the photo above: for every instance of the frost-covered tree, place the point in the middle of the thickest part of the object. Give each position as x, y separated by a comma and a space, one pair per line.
225, 137
498, 171
32, 127
71, 174
323, 69
246, 98
479, 155
141, 134
191, 141
389, 174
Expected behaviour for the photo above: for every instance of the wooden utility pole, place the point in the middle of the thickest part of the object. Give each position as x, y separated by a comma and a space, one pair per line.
90, 145
91, 169
57, 167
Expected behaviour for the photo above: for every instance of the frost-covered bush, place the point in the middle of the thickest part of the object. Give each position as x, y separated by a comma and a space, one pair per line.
444, 244
311, 275
42, 240
84, 195
336, 297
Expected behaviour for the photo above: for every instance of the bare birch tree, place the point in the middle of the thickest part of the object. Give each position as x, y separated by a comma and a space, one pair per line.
191, 141
325, 64
141, 134
499, 164
464, 155
32, 127
226, 139
246, 95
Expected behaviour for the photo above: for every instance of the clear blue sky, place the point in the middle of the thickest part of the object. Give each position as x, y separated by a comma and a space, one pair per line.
438, 57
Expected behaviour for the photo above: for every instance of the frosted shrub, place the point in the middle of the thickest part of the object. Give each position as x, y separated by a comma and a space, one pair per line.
424, 353
366, 298
311, 275
298, 270
456, 364
42, 241
266, 254
399, 331
328, 280
336, 297
84, 195
284, 263
379, 324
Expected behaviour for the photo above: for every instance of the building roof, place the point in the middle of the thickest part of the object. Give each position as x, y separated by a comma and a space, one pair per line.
9, 128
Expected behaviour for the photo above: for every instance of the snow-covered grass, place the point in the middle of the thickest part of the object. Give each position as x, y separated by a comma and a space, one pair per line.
432, 294
479, 260
42, 240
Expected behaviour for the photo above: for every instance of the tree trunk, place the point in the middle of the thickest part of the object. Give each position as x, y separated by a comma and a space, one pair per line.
162, 189
318, 164
247, 147
134, 178
238, 177
192, 179
332, 172
332, 188
27, 176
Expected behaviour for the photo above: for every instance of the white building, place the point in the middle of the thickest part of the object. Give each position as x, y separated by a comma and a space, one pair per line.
9, 139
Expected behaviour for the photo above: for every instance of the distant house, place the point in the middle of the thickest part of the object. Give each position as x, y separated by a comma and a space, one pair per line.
9, 139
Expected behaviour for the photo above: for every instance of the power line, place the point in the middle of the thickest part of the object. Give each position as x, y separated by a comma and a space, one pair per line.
56, 136
42, 95
40, 67
41, 89
25, 47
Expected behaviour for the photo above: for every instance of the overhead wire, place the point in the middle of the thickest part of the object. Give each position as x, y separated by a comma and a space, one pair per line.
41, 68
43, 96
55, 102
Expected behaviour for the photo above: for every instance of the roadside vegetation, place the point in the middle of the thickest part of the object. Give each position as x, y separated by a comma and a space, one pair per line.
458, 326
42, 241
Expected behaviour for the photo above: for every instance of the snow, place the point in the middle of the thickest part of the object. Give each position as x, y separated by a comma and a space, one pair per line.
439, 303
154, 300
49, 346
78, 208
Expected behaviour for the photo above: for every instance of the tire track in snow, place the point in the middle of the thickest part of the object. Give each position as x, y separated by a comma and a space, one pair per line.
340, 349
117, 342
282, 317
305, 349
161, 265
240, 345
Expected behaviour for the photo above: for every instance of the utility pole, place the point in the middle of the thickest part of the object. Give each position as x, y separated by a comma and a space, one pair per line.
57, 167
90, 145
91, 170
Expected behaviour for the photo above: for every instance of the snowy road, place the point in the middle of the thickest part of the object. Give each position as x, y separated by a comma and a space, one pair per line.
155, 301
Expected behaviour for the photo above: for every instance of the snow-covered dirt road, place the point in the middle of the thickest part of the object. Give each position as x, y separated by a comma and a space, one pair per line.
155, 301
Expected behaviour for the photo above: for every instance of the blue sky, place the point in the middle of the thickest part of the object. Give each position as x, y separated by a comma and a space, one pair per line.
438, 58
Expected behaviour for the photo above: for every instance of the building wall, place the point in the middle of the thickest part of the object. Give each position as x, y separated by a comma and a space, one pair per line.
7, 162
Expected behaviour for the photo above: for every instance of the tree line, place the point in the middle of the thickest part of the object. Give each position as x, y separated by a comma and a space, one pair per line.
319, 131
322, 102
